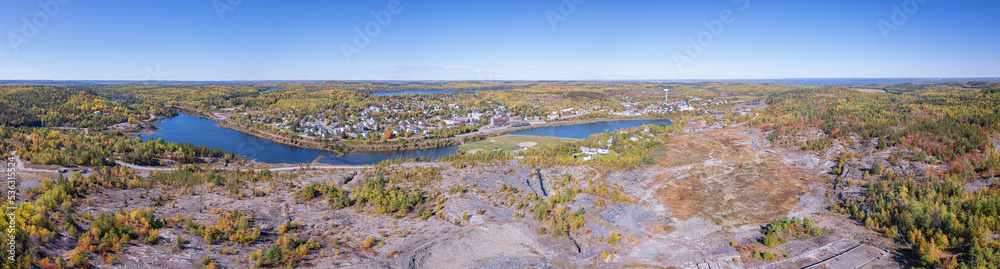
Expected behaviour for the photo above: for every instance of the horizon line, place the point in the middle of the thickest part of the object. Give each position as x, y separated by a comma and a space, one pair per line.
500, 80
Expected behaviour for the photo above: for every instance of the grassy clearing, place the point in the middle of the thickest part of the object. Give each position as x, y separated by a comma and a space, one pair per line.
696, 148
512, 142
727, 183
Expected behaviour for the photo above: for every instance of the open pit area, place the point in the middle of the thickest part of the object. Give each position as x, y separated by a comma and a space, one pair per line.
724, 177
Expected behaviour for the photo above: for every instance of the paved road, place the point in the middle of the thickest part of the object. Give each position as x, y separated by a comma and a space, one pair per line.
276, 169
20, 166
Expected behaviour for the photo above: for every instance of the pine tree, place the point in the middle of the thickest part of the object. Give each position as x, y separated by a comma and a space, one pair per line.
770, 240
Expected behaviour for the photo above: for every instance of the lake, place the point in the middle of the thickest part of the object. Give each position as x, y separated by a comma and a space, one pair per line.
417, 92
200, 131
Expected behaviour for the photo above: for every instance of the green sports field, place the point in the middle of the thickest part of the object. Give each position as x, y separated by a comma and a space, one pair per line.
512, 142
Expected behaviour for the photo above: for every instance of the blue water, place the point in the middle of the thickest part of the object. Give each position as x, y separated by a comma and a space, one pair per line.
413, 92
585, 130
200, 131
752, 104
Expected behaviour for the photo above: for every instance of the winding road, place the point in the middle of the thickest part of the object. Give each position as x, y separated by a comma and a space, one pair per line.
275, 169
20, 166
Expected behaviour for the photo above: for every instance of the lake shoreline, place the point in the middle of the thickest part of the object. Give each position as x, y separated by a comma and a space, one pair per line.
454, 141
194, 128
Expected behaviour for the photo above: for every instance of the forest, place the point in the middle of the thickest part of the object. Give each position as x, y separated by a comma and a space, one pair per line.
947, 125
73, 148
45, 106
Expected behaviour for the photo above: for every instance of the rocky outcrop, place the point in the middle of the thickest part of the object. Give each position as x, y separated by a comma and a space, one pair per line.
852, 173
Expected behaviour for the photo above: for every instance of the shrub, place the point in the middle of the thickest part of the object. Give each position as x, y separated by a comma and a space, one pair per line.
288, 227
78, 260
179, 243
235, 226
152, 239
614, 237
368, 243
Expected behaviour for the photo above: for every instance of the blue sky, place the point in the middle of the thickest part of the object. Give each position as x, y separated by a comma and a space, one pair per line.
498, 40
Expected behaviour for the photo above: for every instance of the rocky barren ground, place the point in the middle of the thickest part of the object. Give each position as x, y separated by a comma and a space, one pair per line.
704, 200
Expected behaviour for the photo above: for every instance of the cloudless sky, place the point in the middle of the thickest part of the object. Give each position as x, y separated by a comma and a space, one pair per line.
497, 40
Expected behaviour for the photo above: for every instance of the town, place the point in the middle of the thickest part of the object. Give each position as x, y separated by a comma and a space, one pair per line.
444, 116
